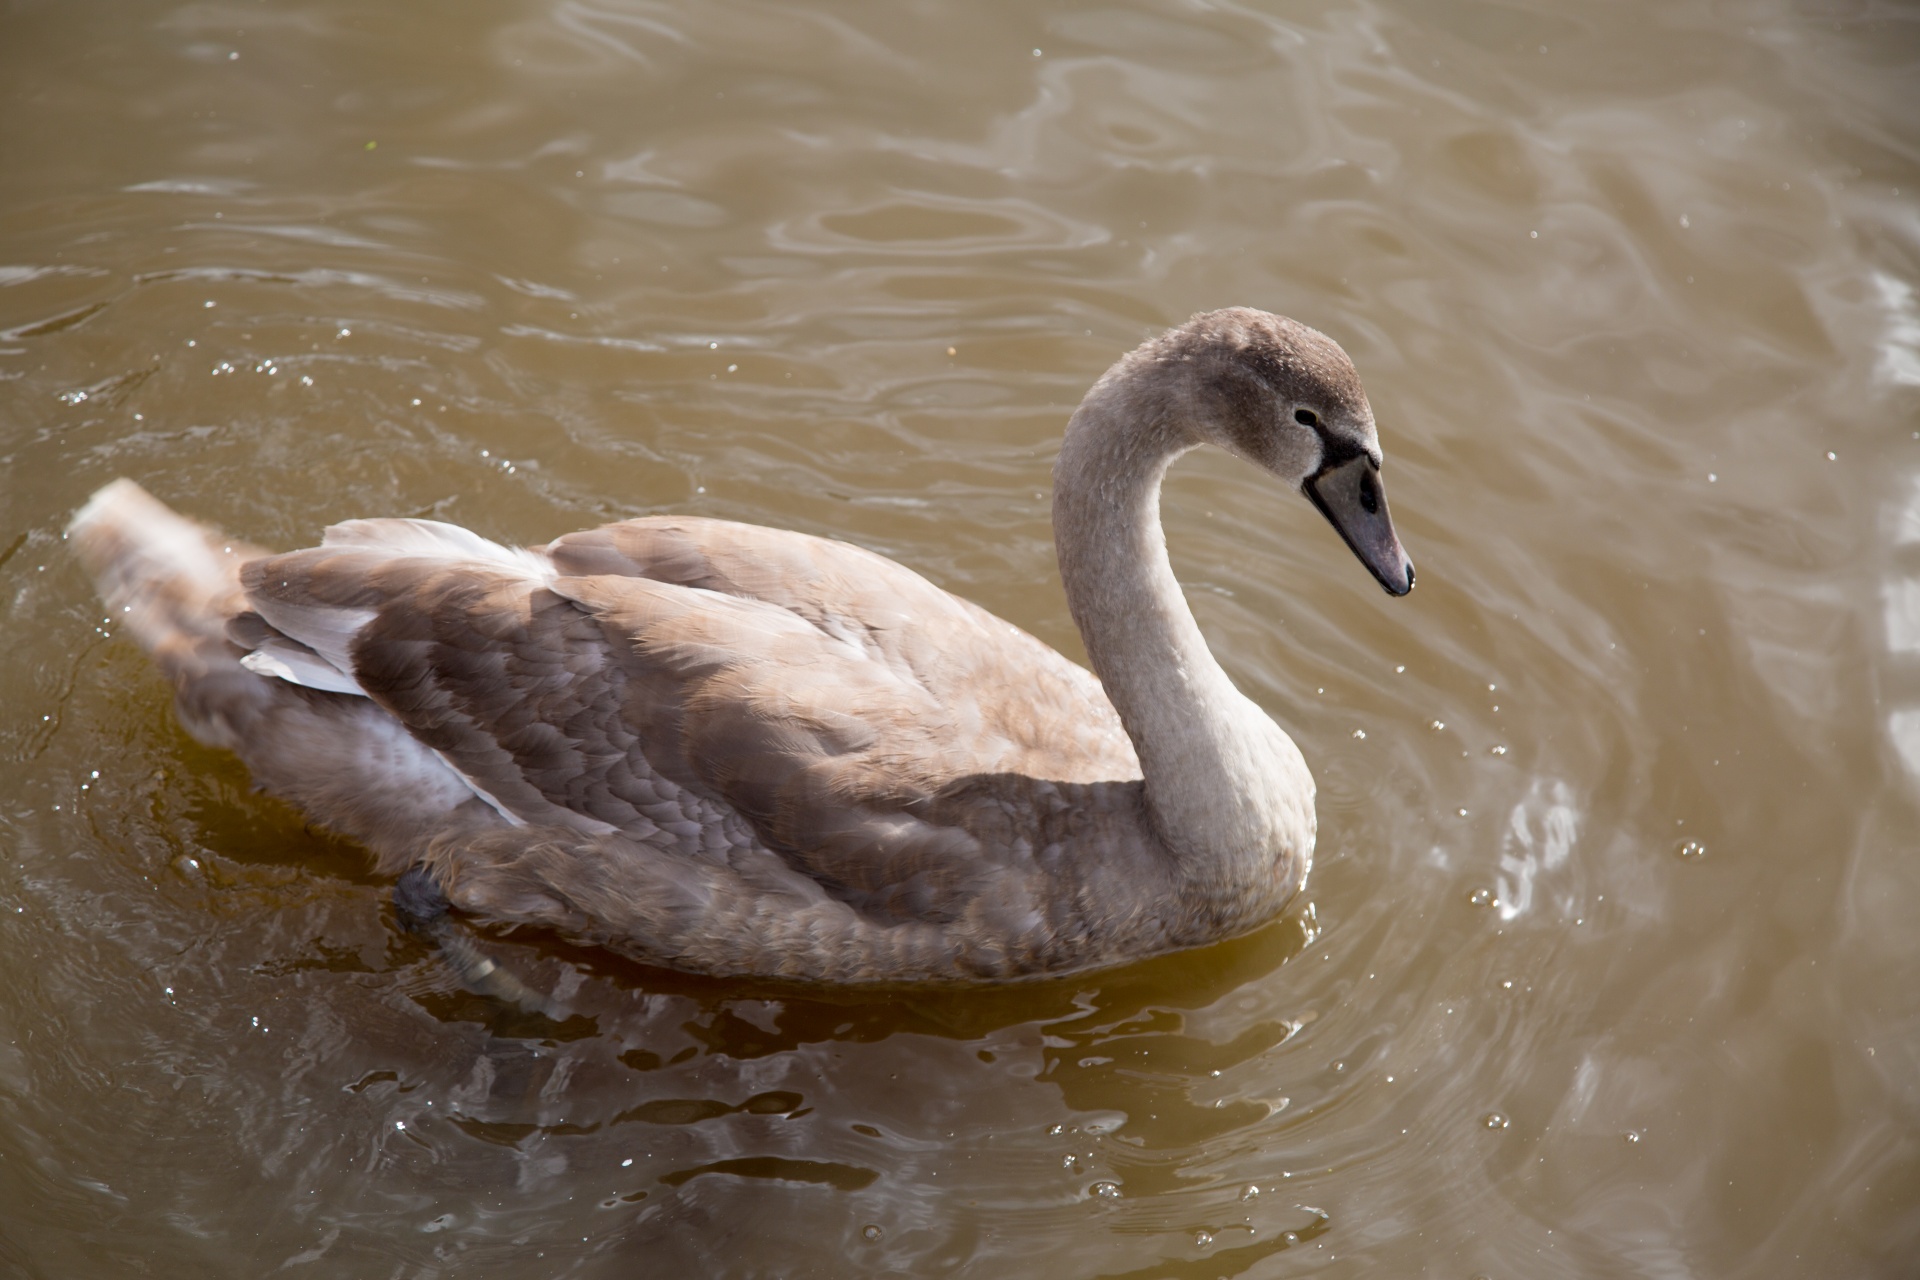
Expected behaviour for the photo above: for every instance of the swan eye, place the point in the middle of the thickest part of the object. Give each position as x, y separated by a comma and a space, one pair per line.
1306, 417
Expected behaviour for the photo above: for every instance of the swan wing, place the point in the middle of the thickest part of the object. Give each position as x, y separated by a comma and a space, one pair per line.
873, 733
906, 801
1036, 711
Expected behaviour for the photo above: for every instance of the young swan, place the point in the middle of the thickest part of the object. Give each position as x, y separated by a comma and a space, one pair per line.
744, 751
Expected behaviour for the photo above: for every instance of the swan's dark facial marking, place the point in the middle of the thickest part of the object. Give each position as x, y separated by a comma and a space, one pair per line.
1335, 448
1337, 451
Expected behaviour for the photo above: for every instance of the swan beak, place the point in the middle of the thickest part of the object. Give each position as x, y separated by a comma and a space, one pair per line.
1350, 497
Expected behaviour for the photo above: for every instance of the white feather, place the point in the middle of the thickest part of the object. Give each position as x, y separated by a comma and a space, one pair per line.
326, 629
277, 658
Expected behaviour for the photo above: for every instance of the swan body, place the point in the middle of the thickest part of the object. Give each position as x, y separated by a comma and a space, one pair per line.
737, 750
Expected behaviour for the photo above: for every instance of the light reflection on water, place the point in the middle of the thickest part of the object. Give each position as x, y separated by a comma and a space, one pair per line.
1607, 963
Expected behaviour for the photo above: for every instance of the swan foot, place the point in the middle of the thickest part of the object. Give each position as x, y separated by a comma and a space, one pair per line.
423, 911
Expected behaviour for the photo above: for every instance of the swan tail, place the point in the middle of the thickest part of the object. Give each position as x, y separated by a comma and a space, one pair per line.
175, 585
351, 767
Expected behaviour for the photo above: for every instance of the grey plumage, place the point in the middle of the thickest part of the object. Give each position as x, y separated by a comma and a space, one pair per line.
739, 750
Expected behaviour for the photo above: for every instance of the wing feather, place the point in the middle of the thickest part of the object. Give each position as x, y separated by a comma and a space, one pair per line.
715, 691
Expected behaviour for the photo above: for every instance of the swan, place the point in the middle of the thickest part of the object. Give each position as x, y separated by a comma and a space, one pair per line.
742, 751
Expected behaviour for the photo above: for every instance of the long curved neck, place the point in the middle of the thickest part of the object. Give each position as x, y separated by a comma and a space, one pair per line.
1228, 792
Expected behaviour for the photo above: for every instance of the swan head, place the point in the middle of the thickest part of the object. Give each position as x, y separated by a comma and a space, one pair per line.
1287, 399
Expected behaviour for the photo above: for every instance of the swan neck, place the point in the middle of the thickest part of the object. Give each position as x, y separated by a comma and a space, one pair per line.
1228, 792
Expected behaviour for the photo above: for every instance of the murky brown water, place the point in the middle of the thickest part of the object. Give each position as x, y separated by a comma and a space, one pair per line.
1610, 961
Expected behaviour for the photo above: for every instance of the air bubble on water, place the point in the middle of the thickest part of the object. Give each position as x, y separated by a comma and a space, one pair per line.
1496, 751
1249, 1192
1203, 1239
1494, 1120
1361, 734
1482, 897
1107, 1190
1439, 724
1692, 849
1631, 1135
1289, 1238
627, 1163
1461, 812
870, 1233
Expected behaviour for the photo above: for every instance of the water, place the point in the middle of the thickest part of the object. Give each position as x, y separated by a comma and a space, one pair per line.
1608, 960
